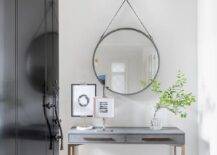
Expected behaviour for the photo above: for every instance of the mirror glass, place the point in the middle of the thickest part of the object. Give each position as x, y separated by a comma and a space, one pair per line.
126, 60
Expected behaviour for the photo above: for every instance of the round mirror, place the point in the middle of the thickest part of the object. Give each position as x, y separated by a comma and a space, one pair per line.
126, 61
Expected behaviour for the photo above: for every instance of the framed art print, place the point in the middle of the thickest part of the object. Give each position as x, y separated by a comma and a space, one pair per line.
83, 99
104, 107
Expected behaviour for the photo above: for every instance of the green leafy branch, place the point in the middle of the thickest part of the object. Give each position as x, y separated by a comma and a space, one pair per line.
174, 98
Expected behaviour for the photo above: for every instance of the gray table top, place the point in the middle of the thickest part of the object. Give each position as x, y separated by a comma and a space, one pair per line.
127, 130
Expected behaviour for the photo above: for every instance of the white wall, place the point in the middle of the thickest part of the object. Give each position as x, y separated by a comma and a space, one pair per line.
207, 75
172, 24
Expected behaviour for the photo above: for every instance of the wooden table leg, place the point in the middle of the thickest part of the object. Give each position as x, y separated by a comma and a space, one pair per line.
183, 150
174, 150
71, 149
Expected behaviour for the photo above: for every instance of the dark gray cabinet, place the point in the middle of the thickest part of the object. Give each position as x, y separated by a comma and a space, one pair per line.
28, 60
7, 78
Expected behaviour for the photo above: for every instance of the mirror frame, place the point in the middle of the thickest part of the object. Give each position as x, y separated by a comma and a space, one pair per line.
124, 29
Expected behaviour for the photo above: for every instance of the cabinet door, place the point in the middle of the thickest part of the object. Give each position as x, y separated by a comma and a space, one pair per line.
7, 78
35, 24
23, 129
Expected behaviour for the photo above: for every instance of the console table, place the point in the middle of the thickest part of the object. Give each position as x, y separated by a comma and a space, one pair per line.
127, 135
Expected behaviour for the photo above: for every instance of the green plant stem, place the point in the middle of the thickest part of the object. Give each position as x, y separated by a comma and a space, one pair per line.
156, 110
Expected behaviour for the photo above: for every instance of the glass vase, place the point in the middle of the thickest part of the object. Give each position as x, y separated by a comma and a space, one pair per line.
156, 124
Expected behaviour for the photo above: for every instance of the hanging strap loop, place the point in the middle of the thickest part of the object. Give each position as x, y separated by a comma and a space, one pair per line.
137, 16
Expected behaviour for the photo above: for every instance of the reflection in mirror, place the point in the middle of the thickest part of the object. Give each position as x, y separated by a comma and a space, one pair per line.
126, 60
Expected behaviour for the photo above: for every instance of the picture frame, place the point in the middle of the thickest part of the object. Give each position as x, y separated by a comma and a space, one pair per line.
82, 100
104, 107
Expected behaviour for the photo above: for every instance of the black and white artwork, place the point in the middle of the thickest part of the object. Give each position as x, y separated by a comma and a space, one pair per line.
104, 107
83, 100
